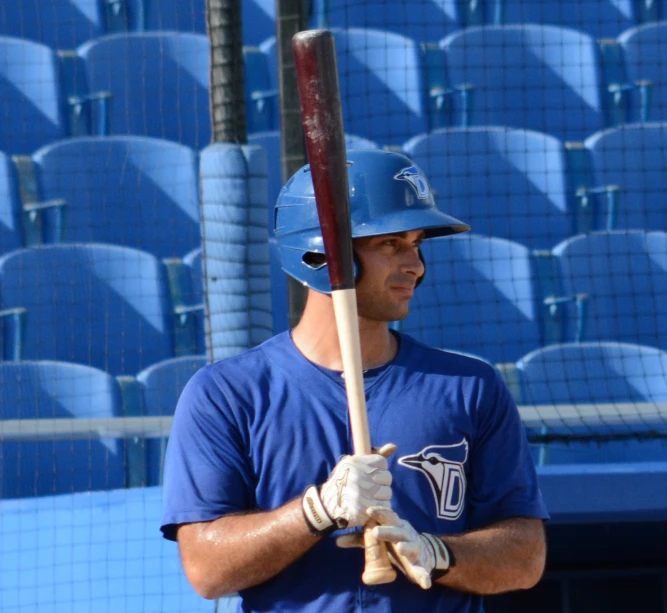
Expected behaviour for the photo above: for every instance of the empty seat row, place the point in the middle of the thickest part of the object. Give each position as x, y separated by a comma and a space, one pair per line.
51, 390
598, 389
99, 305
133, 191
149, 84
533, 188
392, 87
430, 20
594, 402
497, 299
518, 184
65, 24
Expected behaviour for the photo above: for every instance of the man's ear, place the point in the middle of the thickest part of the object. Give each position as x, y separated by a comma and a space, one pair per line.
421, 257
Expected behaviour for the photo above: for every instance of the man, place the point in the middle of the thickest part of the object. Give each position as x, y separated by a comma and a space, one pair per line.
259, 481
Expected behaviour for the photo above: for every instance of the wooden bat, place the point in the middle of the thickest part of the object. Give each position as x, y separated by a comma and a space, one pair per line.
317, 78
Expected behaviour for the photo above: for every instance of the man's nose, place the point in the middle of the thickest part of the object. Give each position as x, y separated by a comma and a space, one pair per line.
412, 263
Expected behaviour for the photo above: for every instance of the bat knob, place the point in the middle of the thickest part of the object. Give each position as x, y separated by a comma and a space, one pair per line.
377, 576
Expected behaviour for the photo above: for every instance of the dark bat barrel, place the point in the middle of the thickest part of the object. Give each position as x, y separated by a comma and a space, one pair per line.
317, 78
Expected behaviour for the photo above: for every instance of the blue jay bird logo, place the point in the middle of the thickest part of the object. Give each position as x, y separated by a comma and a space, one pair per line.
443, 467
415, 178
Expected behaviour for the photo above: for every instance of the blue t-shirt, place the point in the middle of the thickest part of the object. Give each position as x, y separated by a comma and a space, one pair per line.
253, 431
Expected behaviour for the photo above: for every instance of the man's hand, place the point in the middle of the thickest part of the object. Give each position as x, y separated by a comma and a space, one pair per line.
421, 557
355, 484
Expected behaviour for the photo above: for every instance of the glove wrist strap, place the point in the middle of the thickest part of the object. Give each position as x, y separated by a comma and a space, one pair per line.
316, 516
444, 558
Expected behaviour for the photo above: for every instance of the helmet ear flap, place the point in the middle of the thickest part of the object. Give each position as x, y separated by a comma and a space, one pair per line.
423, 261
358, 269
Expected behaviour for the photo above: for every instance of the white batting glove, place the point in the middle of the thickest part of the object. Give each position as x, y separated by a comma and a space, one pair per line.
355, 484
422, 557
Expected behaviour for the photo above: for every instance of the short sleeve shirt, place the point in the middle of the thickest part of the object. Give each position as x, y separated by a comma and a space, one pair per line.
254, 431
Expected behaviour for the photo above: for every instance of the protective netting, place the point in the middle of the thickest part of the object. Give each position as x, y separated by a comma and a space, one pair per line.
133, 250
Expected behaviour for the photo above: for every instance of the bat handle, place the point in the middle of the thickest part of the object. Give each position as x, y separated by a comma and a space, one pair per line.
378, 568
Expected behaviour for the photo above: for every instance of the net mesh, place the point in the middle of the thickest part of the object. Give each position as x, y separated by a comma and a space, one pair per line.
133, 250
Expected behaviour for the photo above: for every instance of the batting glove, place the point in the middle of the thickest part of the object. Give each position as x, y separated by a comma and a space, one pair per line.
355, 484
422, 557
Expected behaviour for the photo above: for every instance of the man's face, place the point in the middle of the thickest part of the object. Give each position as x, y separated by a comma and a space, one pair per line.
390, 269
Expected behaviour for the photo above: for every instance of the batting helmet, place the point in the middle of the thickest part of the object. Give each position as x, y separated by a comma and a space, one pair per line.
388, 193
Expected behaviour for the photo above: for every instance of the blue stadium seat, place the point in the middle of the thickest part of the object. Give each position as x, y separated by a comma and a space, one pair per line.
503, 182
59, 24
11, 235
597, 18
634, 158
624, 274
261, 87
171, 15
421, 20
543, 78
270, 140
644, 52
596, 373
384, 84
159, 82
127, 190
162, 384
100, 305
478, 297
31, 100
258, 19
195, 296
48, 390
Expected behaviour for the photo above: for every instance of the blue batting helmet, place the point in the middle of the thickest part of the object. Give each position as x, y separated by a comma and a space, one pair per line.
388, 193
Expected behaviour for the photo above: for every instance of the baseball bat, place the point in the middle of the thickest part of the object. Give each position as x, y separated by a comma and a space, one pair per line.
321, 111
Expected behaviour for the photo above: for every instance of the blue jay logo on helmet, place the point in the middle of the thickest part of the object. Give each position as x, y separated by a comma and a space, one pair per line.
388, 194
416, 179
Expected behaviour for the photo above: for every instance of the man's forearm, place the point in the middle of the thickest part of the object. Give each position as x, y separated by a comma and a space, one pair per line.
238, 551
508, 555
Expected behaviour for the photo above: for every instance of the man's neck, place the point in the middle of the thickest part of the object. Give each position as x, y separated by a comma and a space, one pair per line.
316, 337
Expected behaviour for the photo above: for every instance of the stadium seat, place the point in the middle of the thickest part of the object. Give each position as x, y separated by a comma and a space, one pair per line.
159, 83
624, 274
542, 78
597, 18
100, 305
171, 15
31, 101
578, 380
49, 390
261, 87
634, 158
270, 140
126, 190
258, 18
384, 85
11, 234
195, 296
478, 297
421, 20
503, 182
644, 50
59, 24
162, 384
